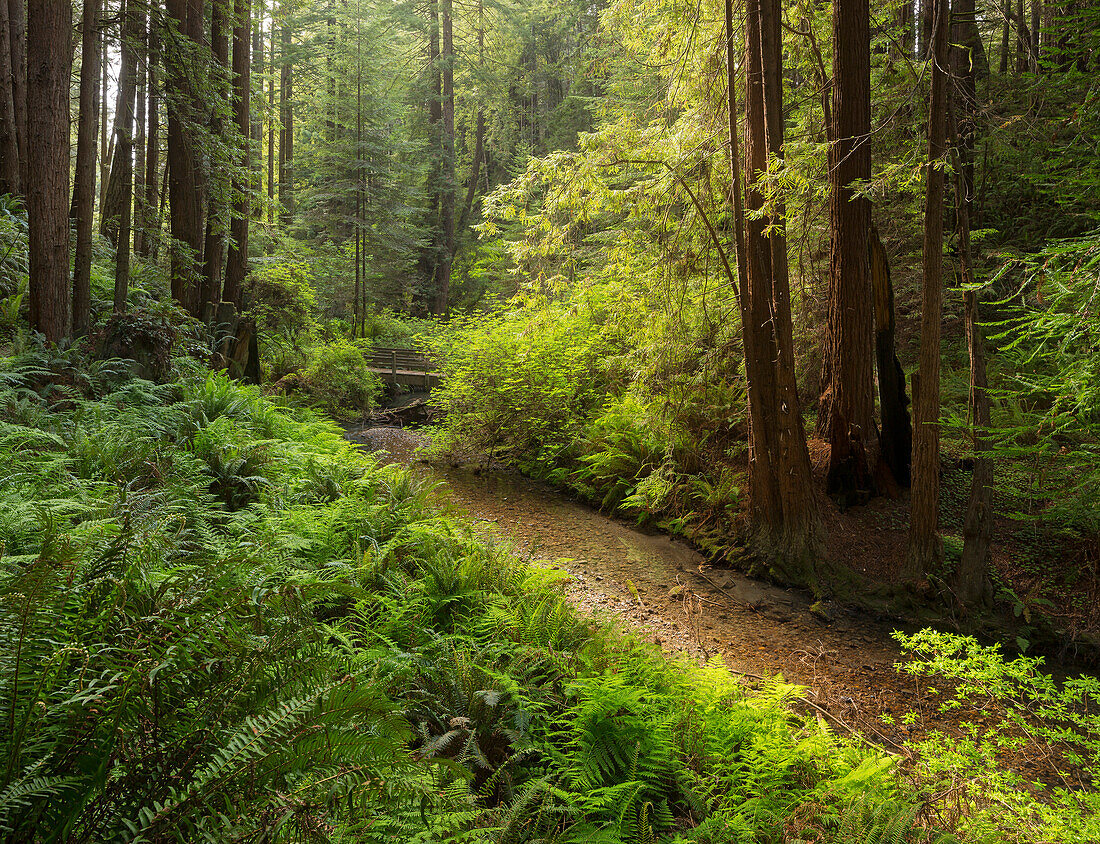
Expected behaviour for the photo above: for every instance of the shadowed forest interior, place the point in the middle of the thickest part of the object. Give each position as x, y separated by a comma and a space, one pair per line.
549, 420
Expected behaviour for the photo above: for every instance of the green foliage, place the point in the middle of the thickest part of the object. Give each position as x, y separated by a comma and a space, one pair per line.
337, 376
1016, 707
223, 623
522, 389
282, 298
14, 260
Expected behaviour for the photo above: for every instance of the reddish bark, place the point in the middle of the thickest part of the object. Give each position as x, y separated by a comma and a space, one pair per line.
48, 69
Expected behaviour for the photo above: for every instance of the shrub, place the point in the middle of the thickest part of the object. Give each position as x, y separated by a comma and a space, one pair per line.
282, 298
1017, 708
520, 389
337, 377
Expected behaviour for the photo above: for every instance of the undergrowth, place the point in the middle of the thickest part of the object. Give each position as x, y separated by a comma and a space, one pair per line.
220, 622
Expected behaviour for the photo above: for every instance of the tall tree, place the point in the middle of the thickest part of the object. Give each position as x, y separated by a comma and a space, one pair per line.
1023, 40
447, 163
430, 253
9, 136
783, 511
104, 121
237, 264
271, 125
846, 411
1036, 23
49, 64
286, 115
140, 146
84, 185
122, 171
149, 220
925, 546
971, 582
217, 184
479, 132
17, 20
185, 187
257, 114
896, 437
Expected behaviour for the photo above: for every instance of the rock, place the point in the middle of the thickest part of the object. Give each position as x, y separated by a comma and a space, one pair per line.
824, 611
749, 594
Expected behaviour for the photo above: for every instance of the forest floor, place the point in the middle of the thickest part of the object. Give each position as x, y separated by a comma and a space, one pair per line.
667, 594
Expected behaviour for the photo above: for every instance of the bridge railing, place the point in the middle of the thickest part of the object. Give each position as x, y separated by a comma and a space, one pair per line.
403, 366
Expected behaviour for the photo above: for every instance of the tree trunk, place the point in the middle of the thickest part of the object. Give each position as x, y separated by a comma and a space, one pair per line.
927, 24
925, 546
84, 184
846, 411
184, 179
271, 126
972, 583
17, 20
286, 112
1006, 28
216, 222
257, 116
431, 253
783, 510
1023, 40
896, 440
479, 142
965, 33
1036, 17
237, 264
447, 197
9, 135
140, 211
124, 154
105, 136
149, 222
48, 71
972, 577
906, 35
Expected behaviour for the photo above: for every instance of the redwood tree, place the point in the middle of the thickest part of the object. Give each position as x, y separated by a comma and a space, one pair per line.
49, 64
84, 185
124, 153
783, 511
846, 411
447, 162
925, 546
17, 21
184, 179
9, 137
149, 221
237, 265
217, 183
286, 114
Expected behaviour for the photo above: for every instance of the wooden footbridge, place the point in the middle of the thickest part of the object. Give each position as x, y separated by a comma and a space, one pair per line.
404, 367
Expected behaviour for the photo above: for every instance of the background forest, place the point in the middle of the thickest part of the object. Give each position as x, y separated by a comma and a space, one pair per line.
812, 286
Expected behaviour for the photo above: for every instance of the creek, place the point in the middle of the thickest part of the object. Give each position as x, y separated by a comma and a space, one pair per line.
666, 593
